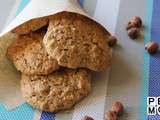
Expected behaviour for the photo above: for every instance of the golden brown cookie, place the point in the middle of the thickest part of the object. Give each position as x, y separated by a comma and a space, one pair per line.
30, 57
76, 41
60, 90
31, 25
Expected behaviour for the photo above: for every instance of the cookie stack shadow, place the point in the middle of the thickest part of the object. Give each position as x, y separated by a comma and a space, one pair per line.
56, 55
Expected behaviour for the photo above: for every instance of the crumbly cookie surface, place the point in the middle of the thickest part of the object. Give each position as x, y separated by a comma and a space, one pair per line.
60, 90
29, 55
77, 41
31, 25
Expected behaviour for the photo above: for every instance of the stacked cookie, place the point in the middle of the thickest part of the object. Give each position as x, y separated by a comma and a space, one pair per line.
56, 55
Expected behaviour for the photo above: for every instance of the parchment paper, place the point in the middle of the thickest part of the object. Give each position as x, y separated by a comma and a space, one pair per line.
10, 93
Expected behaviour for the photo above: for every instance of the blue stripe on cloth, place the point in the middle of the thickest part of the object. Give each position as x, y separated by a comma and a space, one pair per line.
154, 80
23, 112
154, 75
47, 116
145, 81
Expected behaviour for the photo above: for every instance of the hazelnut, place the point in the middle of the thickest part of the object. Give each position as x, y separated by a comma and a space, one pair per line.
152, 47
138, 20
87, 118
133, 33
112, 41
131, 24
110, 115
118, 108
134, 22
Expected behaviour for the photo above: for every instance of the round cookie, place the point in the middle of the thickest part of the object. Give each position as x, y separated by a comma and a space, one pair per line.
29, 55
60, 90
76, 41
31, 25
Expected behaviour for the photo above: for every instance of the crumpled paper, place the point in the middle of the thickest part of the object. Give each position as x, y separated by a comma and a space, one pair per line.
10, 94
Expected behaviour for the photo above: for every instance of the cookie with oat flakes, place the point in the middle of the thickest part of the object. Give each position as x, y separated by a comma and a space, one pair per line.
57, 91
77, 41
29, 55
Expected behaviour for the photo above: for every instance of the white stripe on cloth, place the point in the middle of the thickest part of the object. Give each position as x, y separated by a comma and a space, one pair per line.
37, 115
94, 104
66, 115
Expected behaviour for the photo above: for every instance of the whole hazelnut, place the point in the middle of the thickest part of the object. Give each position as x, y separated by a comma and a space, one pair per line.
152, 47
138, 20
132, 24
133, 33
112, 41
87, 118
118, 108
110, 115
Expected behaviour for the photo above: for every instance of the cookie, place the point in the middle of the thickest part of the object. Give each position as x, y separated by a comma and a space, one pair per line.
76, 41
31, 25
29, 56
57, 91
